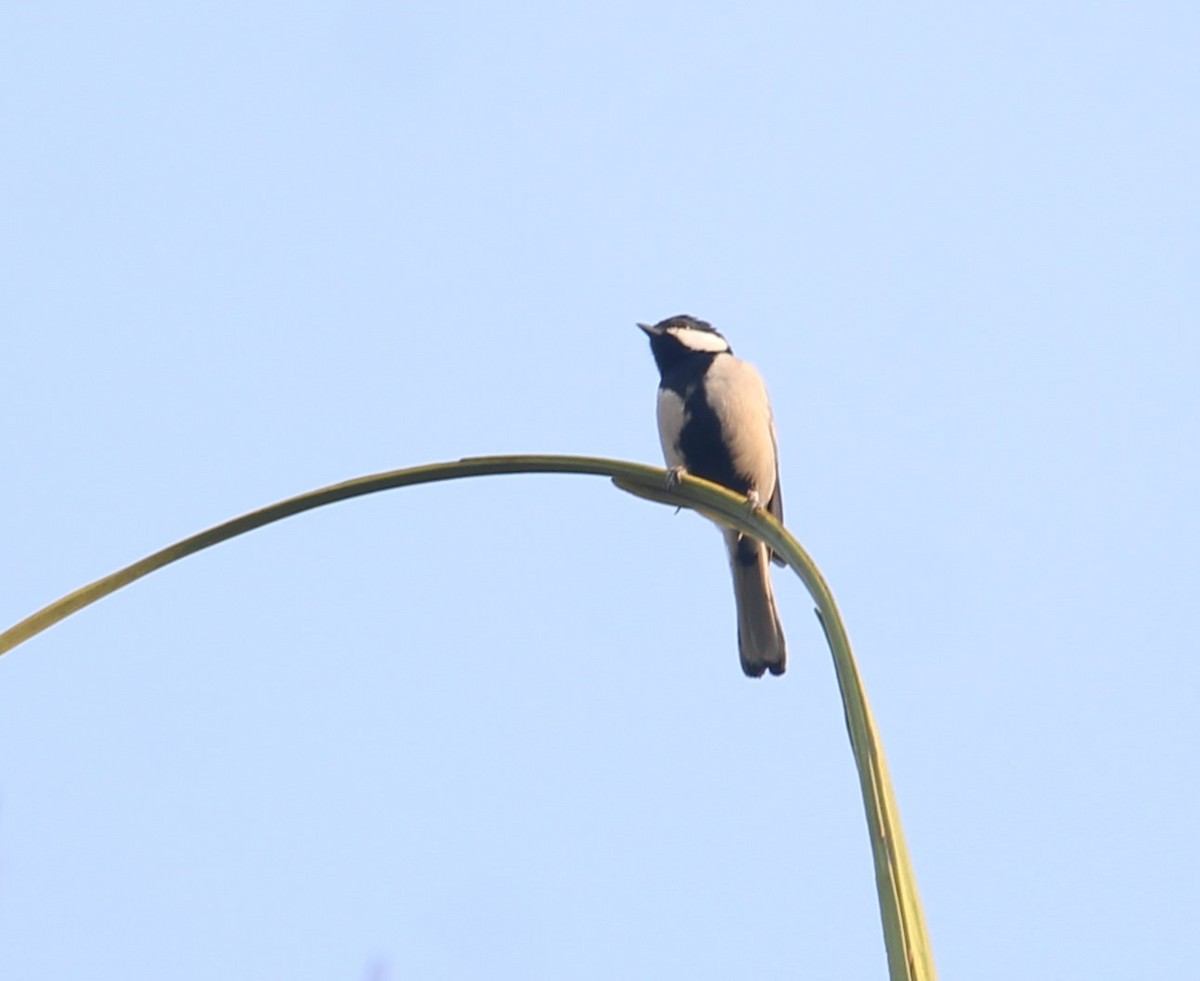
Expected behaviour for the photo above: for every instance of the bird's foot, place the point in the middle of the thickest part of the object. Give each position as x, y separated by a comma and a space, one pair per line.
753, 501
675, 476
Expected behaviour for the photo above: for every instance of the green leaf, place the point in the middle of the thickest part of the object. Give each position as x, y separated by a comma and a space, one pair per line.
910, 956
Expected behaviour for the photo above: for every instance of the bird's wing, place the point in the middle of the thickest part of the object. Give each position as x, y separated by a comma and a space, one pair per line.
775, 504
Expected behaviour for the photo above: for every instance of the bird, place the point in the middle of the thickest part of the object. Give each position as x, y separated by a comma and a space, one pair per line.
715, 422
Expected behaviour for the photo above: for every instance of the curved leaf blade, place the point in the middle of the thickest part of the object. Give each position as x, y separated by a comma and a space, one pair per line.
910, 955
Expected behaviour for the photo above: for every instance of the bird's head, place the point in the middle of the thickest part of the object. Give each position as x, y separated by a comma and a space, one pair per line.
685, 333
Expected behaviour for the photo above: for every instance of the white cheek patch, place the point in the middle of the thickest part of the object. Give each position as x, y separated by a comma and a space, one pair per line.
699, 340
671, 418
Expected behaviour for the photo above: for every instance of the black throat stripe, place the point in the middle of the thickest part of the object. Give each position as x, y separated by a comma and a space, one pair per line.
702, 442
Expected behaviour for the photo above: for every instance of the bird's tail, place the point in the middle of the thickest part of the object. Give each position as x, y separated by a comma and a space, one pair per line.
760, 636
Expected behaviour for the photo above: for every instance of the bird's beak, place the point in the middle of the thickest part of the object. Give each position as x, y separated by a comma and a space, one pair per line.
650, 329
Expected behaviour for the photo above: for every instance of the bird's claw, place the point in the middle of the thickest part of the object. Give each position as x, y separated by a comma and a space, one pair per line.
753, 500
675, 477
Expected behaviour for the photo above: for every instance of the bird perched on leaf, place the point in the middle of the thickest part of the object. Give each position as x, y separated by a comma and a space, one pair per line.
715, 422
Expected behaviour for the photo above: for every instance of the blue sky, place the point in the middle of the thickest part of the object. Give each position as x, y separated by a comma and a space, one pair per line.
497, 728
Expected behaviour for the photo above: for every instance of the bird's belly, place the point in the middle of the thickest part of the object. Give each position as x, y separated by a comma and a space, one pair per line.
738, 402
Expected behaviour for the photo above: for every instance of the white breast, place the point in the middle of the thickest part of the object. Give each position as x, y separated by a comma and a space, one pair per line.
670, 425
738, 396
